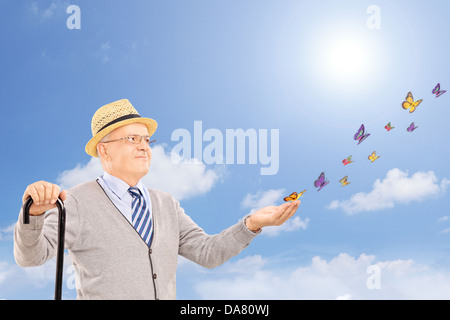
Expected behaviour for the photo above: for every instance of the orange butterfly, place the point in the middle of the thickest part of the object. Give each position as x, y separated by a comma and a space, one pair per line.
294, 196
344, 181
410, 104
373, 156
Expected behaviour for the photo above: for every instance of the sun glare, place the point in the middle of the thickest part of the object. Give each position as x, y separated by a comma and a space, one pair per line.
343, 57
346, 59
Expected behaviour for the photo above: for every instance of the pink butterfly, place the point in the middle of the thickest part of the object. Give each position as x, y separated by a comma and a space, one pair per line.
388, 127
347, 160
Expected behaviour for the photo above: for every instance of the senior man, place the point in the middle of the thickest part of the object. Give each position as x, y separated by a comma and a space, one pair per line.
123, 238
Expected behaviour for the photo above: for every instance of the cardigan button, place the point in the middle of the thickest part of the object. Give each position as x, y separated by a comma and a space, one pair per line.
154, 276
150, 251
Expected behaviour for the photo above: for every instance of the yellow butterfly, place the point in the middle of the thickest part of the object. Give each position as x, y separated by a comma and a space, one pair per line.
410, 104
344, 181
294, 196
373, 156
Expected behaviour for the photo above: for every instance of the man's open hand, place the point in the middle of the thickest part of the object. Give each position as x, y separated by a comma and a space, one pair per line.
272, 215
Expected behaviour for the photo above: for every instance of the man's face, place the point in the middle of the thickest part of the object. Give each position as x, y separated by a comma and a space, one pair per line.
127, 161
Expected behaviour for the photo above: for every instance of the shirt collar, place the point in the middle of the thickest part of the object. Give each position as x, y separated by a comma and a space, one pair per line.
118, 186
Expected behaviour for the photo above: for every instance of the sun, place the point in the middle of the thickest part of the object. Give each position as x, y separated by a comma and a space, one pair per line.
346, 59
344, 56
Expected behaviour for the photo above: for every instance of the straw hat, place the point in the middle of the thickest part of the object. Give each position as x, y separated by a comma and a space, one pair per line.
112, 116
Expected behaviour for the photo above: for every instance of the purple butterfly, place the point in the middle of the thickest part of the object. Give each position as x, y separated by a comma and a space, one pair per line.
437, 90
360, 136
321, 182
411, 127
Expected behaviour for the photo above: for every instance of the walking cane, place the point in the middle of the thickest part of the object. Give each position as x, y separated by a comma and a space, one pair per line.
61, 230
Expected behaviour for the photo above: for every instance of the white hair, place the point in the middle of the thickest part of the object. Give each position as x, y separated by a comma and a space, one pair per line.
104, 139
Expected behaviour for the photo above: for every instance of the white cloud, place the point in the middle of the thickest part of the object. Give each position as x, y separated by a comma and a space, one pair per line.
183, 179
397, 187
256, 277
442, 220
35, 282
103, 52
105, 46
5, 271
261, 199
271, 198
55, 8
344, 297
294, 223
48, 12
7, 233
80, 174
343, 277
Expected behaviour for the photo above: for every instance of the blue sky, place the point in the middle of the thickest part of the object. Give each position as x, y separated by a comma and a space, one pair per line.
313, 70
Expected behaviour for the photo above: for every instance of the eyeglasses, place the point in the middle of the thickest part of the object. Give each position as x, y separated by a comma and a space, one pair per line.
134, 139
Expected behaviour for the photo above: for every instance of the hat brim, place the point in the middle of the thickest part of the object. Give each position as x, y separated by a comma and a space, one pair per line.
91, 146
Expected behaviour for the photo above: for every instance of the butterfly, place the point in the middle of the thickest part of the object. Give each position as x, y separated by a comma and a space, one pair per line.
294, 196
344, 181
373, 156
347, 160
321, 182
410, 104
361, 135
388, 127
437, 90
411, 127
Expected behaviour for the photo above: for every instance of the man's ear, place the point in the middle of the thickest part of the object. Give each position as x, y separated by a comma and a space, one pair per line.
102, 151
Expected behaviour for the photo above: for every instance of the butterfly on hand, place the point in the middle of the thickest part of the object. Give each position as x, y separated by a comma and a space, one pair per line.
321, 182
410, 104
294, 196
360, 135
411, 127
388, 127
373, 157
437, 91
344, 181
347, 160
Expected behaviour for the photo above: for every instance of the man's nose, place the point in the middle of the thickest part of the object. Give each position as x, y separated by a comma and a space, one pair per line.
143, 145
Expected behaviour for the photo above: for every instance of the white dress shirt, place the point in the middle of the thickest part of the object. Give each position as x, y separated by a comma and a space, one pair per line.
117, 190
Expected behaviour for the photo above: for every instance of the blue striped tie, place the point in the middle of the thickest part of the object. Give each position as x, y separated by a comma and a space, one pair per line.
140, 216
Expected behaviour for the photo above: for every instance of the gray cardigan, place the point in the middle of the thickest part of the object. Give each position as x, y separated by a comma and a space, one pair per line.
110, 259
